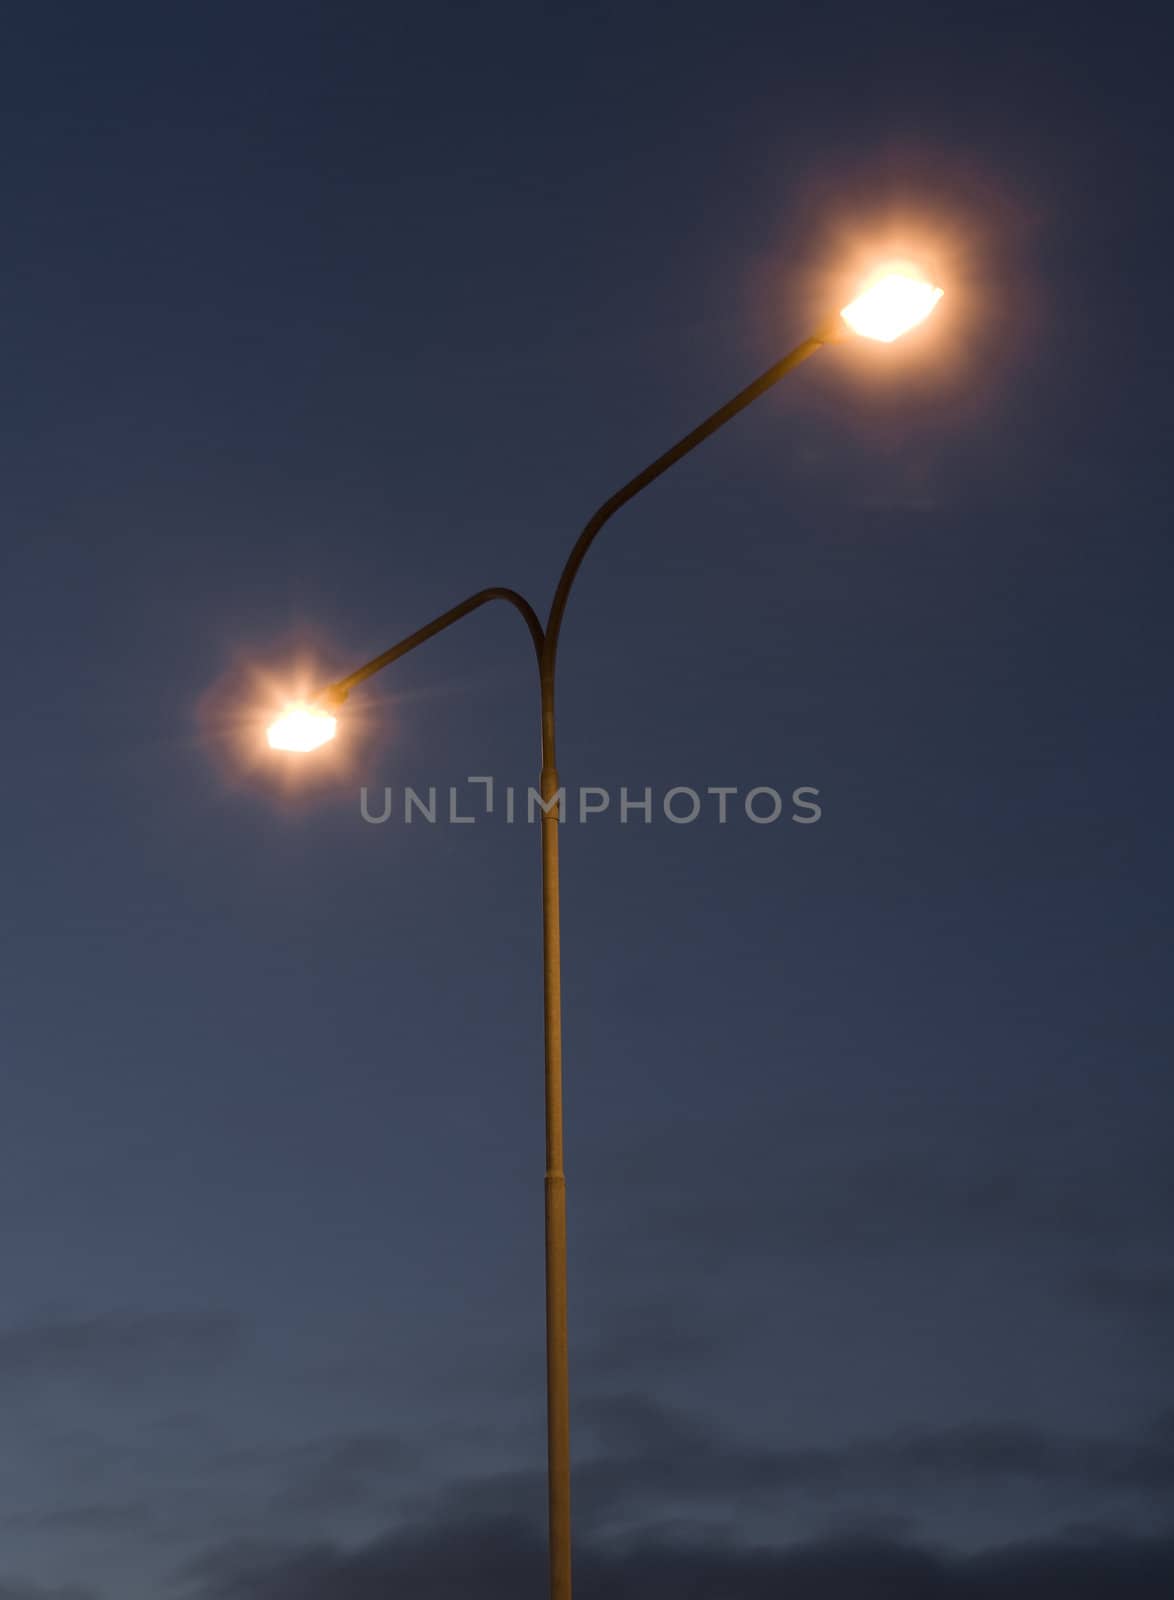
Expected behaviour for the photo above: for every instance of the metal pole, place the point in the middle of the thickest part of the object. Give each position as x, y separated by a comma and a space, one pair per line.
558, 1420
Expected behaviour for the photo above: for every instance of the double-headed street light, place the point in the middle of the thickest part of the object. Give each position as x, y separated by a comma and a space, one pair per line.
895, 299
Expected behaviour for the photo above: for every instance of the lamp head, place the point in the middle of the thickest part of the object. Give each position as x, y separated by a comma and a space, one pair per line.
890, 302
303, 726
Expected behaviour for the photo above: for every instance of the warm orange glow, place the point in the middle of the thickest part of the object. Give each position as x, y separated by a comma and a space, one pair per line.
302, 727
890, 303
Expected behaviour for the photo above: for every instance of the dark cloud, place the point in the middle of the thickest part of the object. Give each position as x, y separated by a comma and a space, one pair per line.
649, 1465
118, 1346
506, 1558
649, 1452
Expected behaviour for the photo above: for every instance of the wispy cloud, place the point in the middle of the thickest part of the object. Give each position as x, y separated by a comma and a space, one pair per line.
13, 1589
318, 1477
114, 1518
1145, 1297
852, 1203
648, 1464
645, 1338
507, 1558
117, 1346
646, 1447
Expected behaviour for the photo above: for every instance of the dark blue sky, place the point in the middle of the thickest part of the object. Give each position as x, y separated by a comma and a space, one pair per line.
316, 318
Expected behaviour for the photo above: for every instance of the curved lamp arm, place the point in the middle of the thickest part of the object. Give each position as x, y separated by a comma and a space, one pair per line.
337, 692
741, 400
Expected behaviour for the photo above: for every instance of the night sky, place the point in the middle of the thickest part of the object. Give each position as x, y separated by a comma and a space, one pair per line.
315, 318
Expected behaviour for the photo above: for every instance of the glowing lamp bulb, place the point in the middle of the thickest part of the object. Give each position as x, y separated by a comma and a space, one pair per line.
302, 727
890, 304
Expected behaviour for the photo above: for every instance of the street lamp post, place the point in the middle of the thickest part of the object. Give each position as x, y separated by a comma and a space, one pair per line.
887, 306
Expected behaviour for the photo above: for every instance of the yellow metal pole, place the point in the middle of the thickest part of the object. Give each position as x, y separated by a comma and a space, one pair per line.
558, 1419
